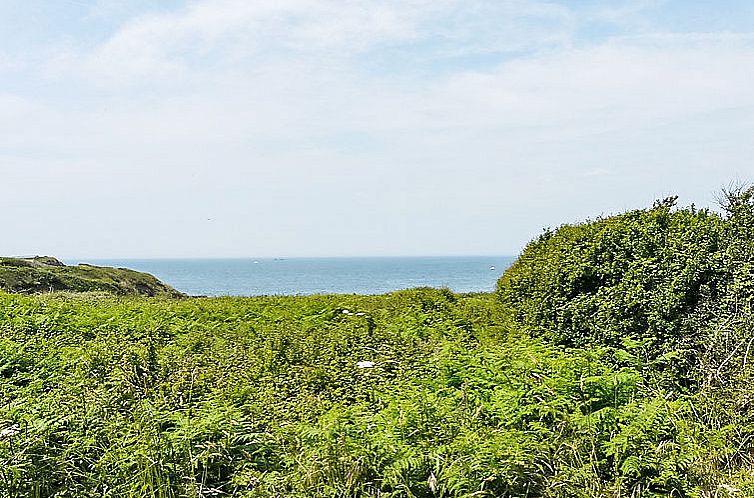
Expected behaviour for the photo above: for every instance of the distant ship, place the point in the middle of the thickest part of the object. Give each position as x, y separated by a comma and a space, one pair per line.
492, 267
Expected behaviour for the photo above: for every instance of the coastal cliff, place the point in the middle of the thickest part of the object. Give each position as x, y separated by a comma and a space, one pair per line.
48, 274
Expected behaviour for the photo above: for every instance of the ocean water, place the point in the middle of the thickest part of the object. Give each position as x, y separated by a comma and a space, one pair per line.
300, 276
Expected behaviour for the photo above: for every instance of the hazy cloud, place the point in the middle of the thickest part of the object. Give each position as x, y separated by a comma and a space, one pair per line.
325, 127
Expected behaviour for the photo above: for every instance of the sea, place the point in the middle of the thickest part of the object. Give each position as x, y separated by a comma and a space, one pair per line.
303, 276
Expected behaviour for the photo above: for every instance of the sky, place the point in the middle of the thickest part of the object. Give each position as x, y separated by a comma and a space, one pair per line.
261, 128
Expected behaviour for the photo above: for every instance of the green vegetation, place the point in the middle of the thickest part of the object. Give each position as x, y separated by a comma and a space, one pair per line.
614, 360
47, 274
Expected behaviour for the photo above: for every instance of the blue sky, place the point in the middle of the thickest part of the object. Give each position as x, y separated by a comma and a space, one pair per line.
325, 128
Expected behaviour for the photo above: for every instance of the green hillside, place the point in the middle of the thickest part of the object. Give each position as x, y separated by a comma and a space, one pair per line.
47, 274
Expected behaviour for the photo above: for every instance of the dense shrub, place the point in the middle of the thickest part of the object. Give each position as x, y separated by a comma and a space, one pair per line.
633, 276
670, 292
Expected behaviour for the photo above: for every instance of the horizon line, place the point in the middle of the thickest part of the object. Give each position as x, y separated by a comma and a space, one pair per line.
387, 256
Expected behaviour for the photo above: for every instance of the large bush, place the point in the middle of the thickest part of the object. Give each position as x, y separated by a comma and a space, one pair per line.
631, 277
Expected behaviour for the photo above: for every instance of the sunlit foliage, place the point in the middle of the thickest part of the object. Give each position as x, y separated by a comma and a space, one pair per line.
613, 360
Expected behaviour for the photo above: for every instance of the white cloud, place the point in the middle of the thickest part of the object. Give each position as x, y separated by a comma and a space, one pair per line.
161, 47
272, 114
319, 88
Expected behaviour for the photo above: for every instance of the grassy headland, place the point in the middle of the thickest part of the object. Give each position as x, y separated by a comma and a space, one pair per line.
47, 274
613, 360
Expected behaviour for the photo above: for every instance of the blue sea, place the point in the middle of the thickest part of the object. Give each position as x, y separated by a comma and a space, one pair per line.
299, 276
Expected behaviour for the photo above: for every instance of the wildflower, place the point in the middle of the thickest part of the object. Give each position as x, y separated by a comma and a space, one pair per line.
10, 431
365, 364
730, 489
432, 482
